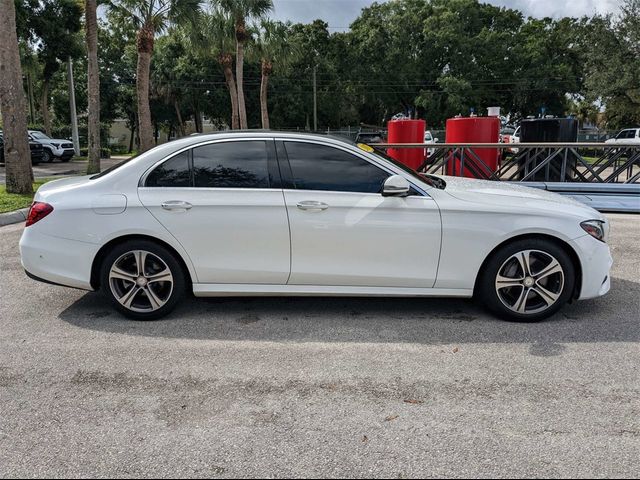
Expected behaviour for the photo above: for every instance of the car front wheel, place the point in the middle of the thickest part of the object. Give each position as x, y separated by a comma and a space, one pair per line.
46, 156
528, 280
142, 279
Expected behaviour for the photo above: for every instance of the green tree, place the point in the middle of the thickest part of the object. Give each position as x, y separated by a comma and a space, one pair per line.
214, 37
613, 65
273, 49
13, 106
53, 27
93, 86
241, 11
151, 17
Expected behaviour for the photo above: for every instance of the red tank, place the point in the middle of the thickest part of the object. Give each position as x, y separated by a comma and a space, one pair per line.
474, 130
407, 131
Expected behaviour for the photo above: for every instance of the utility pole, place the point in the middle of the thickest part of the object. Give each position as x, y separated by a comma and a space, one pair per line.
315, 100
72, 107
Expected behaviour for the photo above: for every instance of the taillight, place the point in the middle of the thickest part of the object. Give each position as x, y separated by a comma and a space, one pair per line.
37, 212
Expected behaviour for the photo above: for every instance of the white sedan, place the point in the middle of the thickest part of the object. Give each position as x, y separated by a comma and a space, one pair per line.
269, 213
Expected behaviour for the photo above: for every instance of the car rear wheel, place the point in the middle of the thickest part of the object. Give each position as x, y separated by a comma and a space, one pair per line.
142, 279
528, 280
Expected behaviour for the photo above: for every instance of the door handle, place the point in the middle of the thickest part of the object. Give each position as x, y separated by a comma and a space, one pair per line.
312, 205
176, 205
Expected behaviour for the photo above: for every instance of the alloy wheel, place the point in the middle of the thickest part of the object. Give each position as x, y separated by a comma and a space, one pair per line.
530, 281
141, 281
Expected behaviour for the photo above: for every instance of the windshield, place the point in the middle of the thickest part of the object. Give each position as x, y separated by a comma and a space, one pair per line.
113, 167
432, 180
39, 136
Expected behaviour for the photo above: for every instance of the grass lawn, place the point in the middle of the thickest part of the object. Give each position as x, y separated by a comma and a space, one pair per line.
12, 201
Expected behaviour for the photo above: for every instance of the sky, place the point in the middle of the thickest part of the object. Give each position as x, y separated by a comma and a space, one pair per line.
340, 13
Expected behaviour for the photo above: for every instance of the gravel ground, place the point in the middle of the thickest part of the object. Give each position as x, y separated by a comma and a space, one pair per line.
300, 387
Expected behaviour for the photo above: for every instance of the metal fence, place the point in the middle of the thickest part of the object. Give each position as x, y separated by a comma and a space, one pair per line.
526, 162
604, 176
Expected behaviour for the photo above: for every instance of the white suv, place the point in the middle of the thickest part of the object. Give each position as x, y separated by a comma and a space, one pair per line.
628, 135
53, 148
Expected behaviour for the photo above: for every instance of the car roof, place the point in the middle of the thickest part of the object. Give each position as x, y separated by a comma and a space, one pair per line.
259, 133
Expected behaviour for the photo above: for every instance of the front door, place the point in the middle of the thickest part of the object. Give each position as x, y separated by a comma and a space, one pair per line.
345, 233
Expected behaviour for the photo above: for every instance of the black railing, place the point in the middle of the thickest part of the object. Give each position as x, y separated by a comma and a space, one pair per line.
531, 162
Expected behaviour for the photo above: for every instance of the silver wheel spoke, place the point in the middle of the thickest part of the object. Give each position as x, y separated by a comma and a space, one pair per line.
118, 273
521, 304
553, 267
163, 276
127, 299
506, 282
155, 301
141, 258
549, 297
523, 258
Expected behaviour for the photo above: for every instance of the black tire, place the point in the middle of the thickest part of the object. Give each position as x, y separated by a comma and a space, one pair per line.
497, 293
115, 288
46, 156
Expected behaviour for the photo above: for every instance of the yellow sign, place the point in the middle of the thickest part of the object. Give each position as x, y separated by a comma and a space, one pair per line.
365, 147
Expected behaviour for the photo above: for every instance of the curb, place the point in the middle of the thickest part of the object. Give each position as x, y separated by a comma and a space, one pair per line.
17, 216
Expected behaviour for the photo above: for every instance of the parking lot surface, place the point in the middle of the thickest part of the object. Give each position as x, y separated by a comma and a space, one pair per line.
58, 168
279, 387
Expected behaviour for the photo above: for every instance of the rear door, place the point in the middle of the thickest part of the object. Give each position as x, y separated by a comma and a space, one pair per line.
223, 202
344, 232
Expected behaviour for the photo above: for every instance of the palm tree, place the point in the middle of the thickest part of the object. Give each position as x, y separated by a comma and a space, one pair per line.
93, 86
214, 35
241, 11
274, 50
151, 17
13, 106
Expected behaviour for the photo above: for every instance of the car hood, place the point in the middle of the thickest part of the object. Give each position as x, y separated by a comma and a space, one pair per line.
505, 194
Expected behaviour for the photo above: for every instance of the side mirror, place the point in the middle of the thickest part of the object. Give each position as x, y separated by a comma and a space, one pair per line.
396, 186
436, 140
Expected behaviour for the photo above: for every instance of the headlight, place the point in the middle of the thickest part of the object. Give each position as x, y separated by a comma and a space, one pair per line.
596, 228
55, 145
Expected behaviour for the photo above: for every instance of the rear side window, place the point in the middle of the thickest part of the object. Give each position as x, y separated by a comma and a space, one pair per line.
231, 165
174, 172
320, 167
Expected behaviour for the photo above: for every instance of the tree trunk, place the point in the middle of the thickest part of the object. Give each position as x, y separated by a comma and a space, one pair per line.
13, 106
176, 105
226, 61
46, 118
144, 43
93, 87
133, 135
264, 109
241, 35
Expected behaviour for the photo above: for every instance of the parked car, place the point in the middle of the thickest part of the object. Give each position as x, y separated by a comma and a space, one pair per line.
370, 137
53, 148
428, 138
271, 213
37, 151
515, 138
628, 135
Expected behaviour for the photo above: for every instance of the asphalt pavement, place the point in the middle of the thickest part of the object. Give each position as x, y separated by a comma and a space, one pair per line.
329, 387
62, 169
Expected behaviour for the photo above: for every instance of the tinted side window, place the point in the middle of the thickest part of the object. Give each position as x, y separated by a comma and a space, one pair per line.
231, 165
174, 172
318, 167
